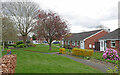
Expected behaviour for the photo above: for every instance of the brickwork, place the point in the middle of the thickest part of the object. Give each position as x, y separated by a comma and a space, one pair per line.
117, 43
94, 39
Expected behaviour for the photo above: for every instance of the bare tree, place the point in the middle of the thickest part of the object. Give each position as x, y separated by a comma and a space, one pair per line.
23, 14
51, 26
9, 31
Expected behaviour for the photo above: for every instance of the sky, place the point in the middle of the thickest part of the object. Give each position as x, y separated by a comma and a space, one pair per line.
84, 15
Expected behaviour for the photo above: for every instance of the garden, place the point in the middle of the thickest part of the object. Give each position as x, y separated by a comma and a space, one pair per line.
110, 55
36, 62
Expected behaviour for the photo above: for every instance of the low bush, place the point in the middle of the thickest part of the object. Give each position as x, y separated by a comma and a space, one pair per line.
10, 44
14, 45
67, 46
28, 41
19, 42
21, 46
82, 52
62, 50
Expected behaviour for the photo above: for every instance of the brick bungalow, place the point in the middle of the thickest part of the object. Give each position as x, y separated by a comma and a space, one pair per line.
111, 40
86, 40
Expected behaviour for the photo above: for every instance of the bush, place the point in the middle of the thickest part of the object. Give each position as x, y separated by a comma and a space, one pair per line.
14, 45
115, 70
27, 42
82, 52
21, 46
19, 42
62, 50
10, 44
111, 54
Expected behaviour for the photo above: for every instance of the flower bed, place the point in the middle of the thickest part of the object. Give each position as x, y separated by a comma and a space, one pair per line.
111, 54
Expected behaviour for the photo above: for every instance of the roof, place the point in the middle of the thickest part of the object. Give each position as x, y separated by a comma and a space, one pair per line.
112, 35
82, 35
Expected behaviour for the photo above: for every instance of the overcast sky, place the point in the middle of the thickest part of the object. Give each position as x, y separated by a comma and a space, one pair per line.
85, 15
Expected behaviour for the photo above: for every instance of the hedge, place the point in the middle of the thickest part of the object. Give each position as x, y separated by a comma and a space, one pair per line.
62, 50
82, 52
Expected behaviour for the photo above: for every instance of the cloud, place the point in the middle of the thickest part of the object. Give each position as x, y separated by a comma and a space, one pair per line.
84, 14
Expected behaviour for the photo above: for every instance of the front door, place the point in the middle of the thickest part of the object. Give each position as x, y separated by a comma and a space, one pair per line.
102, 45
82, 44
97, 46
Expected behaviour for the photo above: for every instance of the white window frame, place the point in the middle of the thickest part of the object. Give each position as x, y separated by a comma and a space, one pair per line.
68, 42
90, 45
113, 41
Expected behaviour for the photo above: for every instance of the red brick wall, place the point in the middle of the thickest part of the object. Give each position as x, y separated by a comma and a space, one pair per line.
75, 43
94, 39
70, 43
117, 43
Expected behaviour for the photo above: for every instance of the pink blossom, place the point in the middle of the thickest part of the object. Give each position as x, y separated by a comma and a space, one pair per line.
111, 54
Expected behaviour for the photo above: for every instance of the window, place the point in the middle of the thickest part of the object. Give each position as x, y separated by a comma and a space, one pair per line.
73, 43
93, 46
112, 43
68, 42
90, 45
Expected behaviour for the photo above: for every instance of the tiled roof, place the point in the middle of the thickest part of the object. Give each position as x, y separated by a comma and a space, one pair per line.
112, 35
82, 35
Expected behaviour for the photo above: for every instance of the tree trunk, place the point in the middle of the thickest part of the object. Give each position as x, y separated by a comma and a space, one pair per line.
50, 46
3, 46
24, 39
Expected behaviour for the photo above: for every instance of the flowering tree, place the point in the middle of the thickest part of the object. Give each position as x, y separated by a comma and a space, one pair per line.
51, 26
111, 54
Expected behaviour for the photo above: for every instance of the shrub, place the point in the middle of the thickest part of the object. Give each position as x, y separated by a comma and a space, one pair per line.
27, 42
115, 70
21, 46
82, 52
19, 42
62, 50
111, 54
14, 45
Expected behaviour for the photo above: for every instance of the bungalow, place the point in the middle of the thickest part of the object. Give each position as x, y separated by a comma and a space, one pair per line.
86, 40
111, 40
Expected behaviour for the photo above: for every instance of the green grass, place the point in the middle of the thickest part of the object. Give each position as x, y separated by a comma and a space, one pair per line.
57, 44
32, 62
43, 48
97, 55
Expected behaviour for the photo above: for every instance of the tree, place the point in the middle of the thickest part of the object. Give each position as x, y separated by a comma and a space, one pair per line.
9, 32
34, 37
51, 26
23, 13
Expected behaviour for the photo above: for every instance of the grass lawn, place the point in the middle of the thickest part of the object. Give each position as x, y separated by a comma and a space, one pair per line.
57, 44
43, 48
32, 62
